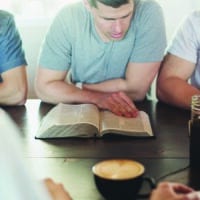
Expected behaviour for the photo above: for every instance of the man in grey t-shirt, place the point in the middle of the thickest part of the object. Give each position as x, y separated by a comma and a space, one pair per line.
112, 50
179, 78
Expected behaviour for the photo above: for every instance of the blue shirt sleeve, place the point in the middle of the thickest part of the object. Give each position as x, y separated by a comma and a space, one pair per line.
11, 52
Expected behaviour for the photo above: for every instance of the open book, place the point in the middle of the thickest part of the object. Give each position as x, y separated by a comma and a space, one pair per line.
85, 120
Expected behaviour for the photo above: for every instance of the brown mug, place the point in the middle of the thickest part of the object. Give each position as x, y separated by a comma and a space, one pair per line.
119, 179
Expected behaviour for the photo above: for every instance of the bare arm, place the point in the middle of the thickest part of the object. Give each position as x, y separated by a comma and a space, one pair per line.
172, 84
139, 77
51, 87
13, 89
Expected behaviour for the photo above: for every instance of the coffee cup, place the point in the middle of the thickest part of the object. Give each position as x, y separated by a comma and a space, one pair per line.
121, 179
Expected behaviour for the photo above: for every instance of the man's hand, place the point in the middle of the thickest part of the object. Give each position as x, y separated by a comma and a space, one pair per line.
118, 103
56, 190
174, 191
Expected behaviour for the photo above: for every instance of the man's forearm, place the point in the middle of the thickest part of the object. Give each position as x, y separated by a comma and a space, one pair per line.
118, 85
180, 95
114, 85
61, 92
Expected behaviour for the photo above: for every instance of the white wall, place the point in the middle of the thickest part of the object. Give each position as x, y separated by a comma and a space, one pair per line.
32, 33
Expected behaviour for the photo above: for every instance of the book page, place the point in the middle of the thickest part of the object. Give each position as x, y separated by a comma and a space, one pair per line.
70, 117
139, 126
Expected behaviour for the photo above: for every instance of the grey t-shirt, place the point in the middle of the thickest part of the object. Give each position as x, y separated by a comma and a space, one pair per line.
73, 43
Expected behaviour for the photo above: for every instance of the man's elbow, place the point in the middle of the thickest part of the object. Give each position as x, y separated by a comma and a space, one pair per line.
160, 88
161, 92
41, 93
20, 97
42, 97
16, 98
138, 96
158, 94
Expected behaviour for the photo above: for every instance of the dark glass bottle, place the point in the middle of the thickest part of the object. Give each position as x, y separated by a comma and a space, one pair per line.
195, 132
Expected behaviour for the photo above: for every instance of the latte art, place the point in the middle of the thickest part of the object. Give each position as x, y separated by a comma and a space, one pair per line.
118, 169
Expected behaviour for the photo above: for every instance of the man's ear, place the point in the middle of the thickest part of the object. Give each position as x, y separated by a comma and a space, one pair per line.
87, 5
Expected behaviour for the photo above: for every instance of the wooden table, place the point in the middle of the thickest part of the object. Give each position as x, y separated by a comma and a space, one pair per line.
70, 160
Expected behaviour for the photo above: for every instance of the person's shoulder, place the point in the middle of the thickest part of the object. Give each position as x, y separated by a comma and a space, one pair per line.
186, 34
5, 16
195, 13
147, 3
6, 20
68, 17
146, 8
194, 16
191, 20
71, 9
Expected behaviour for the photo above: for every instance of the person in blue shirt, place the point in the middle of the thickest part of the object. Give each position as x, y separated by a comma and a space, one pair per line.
13, 80
109, 50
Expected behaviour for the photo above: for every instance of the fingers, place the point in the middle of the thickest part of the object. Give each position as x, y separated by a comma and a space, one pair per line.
169, 191
193, 196
56, 190
118, 103
127, 100
177, 188
180, 188
123, 105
